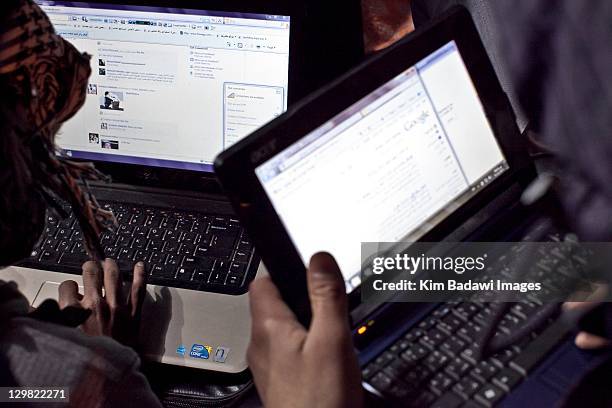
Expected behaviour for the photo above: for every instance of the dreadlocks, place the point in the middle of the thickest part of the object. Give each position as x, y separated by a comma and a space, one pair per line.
43, 80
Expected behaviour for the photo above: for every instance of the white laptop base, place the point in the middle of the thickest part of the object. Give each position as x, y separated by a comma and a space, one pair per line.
181, 327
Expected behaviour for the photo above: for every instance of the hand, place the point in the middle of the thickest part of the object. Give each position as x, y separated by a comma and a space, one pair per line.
590, 301
585, 340
111, 314
295, 368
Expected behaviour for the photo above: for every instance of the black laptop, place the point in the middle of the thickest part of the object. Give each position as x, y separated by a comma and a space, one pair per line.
419, 143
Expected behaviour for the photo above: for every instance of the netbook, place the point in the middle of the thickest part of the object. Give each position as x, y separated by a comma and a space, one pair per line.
417, 144
170, 89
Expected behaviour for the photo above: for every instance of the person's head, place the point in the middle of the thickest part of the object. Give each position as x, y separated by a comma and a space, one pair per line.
43, 81
106, 93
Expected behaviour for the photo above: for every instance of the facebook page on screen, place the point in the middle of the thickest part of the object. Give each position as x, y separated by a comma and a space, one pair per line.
171, 87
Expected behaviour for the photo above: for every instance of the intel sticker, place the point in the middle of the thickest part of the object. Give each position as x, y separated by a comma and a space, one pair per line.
200, 351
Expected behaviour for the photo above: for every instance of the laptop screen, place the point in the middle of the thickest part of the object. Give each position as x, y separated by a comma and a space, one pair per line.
388, 168
171, 87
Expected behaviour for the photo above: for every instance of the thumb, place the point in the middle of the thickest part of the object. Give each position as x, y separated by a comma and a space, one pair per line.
327, 293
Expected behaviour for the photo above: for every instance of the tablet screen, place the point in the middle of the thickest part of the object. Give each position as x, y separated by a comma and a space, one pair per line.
388, 168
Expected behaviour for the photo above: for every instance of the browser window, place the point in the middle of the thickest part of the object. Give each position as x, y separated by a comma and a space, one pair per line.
171, 87
388, 168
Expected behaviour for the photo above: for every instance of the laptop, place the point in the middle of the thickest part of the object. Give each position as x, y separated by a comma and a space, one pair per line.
417, 144
171, 88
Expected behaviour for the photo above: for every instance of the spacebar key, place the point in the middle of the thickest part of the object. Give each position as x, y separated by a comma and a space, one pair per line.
537, 349
72, 260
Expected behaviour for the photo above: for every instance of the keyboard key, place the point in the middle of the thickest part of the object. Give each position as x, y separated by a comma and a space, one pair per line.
450, 323
507, 379
453, 346
458, 367
63, 246
467, 387
399, 391
440, 383
415, 353
156, 258
125, 230
396, 369
484, 370
185, 273
217, 277
186, 249
384, 358
368, 371
163, 271
205, 263
139, 243
489, 395
436, 360
125, 254
433, 338
414, 334
72, 260
173, 260
170, 247
238, 269
428, 323
381, 382
465, 310
111, 252
63, 234
503, 357
234, 280
123, 241
189, 238
470, 332
469, 353
49, 256
225, 240
401, 345
242, 256
416, 375
201, 276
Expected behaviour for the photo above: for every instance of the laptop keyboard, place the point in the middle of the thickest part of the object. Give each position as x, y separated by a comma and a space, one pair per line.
180, 248
435, 364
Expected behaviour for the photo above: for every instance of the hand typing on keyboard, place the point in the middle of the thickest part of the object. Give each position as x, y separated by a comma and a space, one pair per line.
112, 313
296, 368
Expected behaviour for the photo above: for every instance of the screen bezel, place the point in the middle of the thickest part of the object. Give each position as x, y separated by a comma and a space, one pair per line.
301, 77
236, 166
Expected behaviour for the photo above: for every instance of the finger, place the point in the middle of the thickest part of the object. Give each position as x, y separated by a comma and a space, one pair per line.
266, 301
578, 305
69, 294
112, 283
327, 294
92, 280
271, 318
588, 341
139, 289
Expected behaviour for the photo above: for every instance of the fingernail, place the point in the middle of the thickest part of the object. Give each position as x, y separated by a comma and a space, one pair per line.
140, 264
